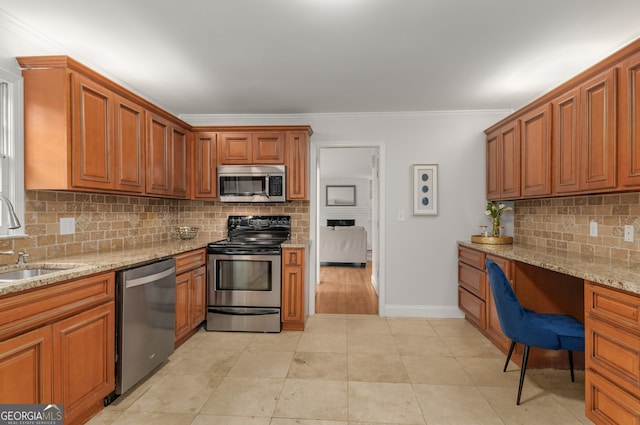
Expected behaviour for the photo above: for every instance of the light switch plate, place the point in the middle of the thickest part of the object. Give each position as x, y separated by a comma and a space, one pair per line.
593, 228
401, 215
67, 226
628, 233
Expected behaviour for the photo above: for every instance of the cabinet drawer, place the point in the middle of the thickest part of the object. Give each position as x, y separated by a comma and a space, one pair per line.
471, 257
473, 280
26, 311
613, 353
617, 307
190, 260
473, 306
605, 403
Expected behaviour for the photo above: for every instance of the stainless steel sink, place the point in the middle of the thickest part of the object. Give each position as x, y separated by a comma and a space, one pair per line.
26, 273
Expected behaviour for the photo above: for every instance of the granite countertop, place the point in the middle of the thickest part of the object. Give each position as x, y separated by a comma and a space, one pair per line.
72, 267
606, 271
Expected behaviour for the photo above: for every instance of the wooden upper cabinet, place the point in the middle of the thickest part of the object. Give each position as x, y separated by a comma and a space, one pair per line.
598, 132
629, 123
235, 148
204, 166
129, 149
167, 158
268, 148
535, 147
296, 163
503, 162
566, 142
251, 148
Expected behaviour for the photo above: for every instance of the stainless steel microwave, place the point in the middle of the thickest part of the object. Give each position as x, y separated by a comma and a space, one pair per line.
251, 183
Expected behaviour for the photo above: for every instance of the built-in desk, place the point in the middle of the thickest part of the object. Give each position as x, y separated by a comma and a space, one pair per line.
602, 293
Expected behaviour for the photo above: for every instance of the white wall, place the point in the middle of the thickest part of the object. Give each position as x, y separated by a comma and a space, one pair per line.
420, 271
361, 212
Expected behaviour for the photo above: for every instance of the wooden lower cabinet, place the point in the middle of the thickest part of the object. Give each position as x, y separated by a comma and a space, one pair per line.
612, 360
190, 294
293, 268
57, 346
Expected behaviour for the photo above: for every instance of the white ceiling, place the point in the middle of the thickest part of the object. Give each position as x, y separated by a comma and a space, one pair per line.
327, 56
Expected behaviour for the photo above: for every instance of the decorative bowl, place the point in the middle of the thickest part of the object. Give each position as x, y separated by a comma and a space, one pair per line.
492, 240
187, 232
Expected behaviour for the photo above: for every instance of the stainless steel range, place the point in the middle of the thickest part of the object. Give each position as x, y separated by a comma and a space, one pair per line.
244, 275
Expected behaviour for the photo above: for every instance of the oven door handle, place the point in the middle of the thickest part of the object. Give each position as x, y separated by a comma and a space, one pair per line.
239, 311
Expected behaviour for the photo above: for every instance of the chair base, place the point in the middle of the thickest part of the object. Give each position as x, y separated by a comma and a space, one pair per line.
523, 369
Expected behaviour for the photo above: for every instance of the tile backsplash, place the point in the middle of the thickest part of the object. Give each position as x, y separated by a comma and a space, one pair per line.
108, 222
563, 223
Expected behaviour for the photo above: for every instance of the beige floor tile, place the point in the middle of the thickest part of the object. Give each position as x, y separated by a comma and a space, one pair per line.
420, 345
368, 326
283, 341
126, 400
454, 327
572, 399
238, 396
286, 421
262, 364
177, 394
230, 420
472, 347
488, 372
313, 399
155, 418
323, 342
228, 341
411, 327
383, 402
455, 405
377, 368
371, 344
330, 366
326, 324
106, 416
206, 362
435, 370
555, 378
536, 406
363, 316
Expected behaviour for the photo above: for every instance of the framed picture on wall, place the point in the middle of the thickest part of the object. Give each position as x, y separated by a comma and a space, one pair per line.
343, 195
425, 189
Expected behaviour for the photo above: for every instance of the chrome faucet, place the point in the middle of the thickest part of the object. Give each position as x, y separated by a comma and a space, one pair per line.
21, 256
14, 223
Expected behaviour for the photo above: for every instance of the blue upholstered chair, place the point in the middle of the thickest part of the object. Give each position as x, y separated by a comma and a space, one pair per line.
550, 331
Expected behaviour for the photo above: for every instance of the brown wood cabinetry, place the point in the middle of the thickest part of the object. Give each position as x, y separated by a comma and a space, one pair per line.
629, 123
57, 345
566, 142
612, 360
503, 162
251, 148
204, 166
167, 158
535, 146
297, 158
190, 293
293, 269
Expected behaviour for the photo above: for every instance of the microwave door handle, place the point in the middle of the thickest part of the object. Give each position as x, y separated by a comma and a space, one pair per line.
266, 187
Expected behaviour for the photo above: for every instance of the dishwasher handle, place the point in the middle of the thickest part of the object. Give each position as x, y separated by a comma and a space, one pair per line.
147, 279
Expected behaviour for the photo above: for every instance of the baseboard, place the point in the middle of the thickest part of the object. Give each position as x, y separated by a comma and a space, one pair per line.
432, 311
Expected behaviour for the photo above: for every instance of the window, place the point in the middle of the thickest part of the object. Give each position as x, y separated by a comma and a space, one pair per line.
11, 150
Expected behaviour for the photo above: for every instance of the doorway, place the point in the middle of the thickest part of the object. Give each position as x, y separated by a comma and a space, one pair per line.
347, 287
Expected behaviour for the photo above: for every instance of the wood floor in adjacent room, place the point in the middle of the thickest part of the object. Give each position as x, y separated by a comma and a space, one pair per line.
346, 290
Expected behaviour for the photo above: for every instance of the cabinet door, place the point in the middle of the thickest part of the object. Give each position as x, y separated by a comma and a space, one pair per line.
268, 148
26, 368
92, 140
493, 189
297, 157
235, 148
536, 152
205, 154
509, 161
198, 296
179, 176
183, 296
158, 155
566, 138
598, 136
84, 361
494, 330
129, 146
293, 289
629, 124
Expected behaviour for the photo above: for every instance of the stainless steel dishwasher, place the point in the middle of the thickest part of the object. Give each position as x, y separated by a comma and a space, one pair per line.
145, 320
